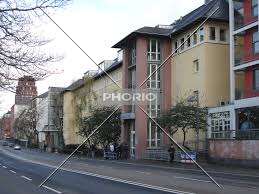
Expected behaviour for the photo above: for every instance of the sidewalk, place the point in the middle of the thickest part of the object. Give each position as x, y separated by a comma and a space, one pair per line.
214, 168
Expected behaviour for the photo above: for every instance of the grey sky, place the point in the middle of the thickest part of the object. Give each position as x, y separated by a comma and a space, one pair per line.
96, 25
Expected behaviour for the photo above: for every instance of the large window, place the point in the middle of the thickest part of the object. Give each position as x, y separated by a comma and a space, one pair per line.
256, 80
201, 34
182, 44
254, 8
153, 49
195, 37
220, 125
222, 35
212, 33
154, 80
153, 135
133, 55
255, 43
248, 123
176, 46
188, 41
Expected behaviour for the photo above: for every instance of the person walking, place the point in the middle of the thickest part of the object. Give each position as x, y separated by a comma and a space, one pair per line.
171, 151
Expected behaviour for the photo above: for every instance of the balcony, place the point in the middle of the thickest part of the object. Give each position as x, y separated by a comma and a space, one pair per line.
245, 14
246, 55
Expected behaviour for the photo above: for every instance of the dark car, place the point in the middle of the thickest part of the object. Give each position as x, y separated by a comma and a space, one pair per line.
5, 143
11, 145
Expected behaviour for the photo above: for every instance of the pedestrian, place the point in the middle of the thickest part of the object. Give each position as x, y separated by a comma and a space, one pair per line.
171, 151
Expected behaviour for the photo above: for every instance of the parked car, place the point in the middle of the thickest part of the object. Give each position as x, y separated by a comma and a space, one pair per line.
17, 147
5, 143
11, 145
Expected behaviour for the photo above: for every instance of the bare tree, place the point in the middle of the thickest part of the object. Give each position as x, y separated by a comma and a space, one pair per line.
20, 52
25, 124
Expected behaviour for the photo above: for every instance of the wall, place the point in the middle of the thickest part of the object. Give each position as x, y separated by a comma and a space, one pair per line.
234, 150
69, 128
212, 80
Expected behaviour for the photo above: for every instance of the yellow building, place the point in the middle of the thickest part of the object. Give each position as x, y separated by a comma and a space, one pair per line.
85, 93
200, 64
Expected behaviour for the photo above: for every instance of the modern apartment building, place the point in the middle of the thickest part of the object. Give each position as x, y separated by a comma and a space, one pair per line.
234, 129
200, 65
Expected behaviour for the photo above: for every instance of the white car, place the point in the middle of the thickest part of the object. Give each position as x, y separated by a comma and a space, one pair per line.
17, 147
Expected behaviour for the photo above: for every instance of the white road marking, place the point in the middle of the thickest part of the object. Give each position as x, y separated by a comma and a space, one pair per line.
191, 179
107, 178
28, 179
51, 189
129, 182
4, 167
12, 171
142, 172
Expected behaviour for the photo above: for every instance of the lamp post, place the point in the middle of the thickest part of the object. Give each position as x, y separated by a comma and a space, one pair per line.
195, 98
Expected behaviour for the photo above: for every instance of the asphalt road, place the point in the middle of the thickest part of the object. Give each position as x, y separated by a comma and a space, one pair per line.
97, 176
19, 177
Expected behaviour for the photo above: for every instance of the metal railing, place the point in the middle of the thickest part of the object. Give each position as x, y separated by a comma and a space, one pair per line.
249, 134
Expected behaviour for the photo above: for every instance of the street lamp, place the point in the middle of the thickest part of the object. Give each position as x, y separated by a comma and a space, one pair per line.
191, 99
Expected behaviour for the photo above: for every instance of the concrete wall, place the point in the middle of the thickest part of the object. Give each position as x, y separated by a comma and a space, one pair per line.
234, 151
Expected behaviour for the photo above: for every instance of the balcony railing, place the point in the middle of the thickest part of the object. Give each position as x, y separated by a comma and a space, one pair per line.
249, 134
243, 56
242, 17
247, 92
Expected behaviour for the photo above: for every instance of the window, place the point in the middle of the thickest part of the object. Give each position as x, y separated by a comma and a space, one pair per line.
255, 43
195, 38
182, 44
132, 78
212, 33
201, 34
196, 66
256, 79
154, 50
154, 80
153, 135
254, 8
220, 125
222, 35
176, 46
133, 55
188, 41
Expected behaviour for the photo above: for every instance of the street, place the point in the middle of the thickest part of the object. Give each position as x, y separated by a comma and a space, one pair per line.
82, 175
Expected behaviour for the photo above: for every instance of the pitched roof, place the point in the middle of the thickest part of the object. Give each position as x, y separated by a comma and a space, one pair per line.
78, 83
114, 66
155, 31
44, 95
197, 15
201, 13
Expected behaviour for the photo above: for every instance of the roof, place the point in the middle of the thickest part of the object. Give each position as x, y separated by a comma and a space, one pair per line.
201, 13
155, 31
196, 16
78, 83
44, 95
114, 66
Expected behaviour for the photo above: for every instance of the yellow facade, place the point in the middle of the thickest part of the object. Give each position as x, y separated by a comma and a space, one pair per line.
80, 101
212, 77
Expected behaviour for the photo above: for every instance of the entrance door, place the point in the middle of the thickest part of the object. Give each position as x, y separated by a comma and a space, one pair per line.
132, 140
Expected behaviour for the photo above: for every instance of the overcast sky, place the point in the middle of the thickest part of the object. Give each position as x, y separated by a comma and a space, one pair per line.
96, 25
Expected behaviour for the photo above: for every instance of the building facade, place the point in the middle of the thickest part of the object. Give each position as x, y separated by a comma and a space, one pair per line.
234, 129
194, 61
84, 94
50, 122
